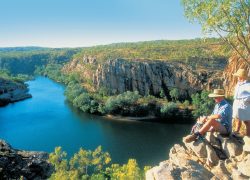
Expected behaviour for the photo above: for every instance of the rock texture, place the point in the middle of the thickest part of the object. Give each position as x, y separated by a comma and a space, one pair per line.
215, 157
235, 63
144, 76
17, 164
11, 91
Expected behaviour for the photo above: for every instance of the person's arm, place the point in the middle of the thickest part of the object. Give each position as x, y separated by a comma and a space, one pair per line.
214, 116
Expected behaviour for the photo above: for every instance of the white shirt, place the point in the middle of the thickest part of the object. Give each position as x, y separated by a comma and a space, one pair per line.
242, 91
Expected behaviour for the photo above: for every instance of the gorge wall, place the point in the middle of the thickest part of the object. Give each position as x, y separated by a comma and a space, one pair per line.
235, 63
145, 76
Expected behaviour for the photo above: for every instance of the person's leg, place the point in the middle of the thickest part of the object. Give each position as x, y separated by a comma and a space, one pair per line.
238, 125
212, 125
216, 127
247, 123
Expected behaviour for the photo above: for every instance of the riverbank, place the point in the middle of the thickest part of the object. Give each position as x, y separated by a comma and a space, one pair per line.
11, 91
150, 118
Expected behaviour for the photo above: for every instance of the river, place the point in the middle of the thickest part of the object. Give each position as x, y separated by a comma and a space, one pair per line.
47, 120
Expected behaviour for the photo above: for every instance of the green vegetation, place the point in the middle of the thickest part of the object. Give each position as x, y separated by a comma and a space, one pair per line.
25, 60
169, 109
5, 74
202, 104
49, 62
228, 18
92, 165
198, 53
174, 94
123, 104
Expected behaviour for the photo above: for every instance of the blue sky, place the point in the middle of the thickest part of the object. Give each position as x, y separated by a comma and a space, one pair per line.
79, 23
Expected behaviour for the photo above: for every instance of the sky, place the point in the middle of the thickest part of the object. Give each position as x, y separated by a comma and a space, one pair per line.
81, 23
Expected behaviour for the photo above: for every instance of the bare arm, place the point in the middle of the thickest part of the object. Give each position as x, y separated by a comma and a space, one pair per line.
214, 116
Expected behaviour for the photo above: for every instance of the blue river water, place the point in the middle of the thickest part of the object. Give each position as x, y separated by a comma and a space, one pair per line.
47, 120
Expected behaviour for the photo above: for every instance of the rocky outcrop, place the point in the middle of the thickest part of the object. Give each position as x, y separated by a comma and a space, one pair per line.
215, 157
17, 164
235, 63
144, 76
11, 91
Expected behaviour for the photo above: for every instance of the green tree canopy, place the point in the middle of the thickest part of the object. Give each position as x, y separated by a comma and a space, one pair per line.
174, 93
230, 19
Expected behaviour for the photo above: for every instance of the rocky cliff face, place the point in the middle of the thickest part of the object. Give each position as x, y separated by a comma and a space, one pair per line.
11, 91
215, 157
235, 63
17, 164
144, 76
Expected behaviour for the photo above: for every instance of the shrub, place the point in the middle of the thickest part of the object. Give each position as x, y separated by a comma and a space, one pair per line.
122, 102
86, 103
169, 109
87, 164
174, 94
73, 90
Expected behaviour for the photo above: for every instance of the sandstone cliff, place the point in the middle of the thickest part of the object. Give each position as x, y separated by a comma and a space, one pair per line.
235, 63
17, 164
215, 157
12, 91
144, 76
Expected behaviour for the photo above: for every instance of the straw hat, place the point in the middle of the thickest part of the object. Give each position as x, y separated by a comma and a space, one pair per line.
241, 73
217, 93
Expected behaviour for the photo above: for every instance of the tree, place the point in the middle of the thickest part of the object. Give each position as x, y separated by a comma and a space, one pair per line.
87, 164
174, 94
230, 19
202, 104
169, 109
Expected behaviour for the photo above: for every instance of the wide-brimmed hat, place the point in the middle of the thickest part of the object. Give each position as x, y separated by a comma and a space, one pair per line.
217, 93
241, 73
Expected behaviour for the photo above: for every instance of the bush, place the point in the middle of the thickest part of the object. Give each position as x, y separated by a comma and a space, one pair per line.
123, 102
73, 90
174, 94
95, 164
169, 109
85, 102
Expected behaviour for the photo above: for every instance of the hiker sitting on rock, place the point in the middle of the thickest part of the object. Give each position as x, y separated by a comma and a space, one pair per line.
219, 121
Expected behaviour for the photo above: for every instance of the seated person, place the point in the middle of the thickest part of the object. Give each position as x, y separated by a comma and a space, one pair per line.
219, 121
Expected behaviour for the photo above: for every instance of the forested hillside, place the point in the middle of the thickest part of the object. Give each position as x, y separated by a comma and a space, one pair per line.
24, 60
196, 52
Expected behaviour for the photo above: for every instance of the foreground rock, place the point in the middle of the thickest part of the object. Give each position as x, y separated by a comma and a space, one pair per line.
16, 164
11, 91
215, 157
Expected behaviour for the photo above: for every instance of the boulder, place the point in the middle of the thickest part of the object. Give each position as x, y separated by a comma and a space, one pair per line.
246, 146
198, 147
244, 166
29, 165
237, 175
221, 172
212, 158
215, 142
230, 146
216, 157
